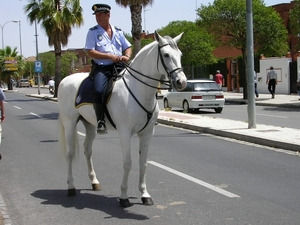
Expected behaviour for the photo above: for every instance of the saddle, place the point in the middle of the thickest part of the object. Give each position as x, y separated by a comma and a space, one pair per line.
86, 91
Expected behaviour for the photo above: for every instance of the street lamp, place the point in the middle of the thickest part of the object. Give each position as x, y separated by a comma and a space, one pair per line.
145, 19
2, 27
20, 38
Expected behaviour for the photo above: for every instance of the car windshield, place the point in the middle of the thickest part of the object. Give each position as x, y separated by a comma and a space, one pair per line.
206, 86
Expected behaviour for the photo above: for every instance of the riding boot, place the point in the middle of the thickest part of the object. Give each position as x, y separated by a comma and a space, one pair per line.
101, 126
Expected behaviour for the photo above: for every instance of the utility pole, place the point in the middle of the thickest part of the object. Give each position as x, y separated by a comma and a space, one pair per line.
250, 66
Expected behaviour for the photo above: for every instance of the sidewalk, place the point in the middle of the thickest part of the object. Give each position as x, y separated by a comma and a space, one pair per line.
267, 135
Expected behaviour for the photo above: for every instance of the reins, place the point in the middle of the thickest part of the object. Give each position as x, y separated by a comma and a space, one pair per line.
168, 83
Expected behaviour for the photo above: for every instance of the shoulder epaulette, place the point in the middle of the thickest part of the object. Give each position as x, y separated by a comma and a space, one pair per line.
117, 28
93, 28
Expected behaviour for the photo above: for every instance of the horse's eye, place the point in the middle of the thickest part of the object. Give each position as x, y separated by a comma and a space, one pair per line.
166, 55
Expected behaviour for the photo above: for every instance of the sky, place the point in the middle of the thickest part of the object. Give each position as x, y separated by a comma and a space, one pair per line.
22, 34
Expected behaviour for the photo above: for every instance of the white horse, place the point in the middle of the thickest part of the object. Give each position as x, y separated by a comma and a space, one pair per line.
132, 107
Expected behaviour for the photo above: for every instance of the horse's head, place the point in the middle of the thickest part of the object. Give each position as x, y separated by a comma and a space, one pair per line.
170, 57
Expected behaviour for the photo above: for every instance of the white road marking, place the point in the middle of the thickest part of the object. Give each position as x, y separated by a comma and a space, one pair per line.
197, 181
3, 211
81, 134
35, 115
285, 117
17, 107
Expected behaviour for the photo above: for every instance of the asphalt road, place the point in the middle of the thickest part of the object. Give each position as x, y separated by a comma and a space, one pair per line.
193, 178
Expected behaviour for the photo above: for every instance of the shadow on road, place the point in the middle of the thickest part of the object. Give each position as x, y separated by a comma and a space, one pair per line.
109, 205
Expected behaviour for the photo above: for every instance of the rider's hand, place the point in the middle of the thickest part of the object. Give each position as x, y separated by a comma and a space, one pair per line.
116, 58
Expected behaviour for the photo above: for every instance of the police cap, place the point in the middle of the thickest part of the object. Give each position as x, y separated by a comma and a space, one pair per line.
101, 8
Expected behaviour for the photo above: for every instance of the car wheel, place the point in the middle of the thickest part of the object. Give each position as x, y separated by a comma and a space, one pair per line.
218, 110
185, 106
166, 104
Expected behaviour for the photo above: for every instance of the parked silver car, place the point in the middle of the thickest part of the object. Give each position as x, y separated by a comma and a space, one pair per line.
23, 83
198, 94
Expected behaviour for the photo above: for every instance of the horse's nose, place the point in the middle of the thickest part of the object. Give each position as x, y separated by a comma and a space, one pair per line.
181, 83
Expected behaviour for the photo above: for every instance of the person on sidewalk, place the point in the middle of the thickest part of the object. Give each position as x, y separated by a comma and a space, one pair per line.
51, 84
298, 87
104, 44
255, 85
2, 98
219, 79
271, 81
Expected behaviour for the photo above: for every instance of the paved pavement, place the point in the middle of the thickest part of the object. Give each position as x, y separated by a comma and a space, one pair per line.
268, 135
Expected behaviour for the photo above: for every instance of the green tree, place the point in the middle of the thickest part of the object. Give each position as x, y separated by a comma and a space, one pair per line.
57, 17
7, 75
196, 44
136, 19
48, 62
226, 21
68, 62
294, 22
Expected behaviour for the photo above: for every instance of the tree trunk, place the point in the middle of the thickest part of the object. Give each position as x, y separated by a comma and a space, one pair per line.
136, 30
57, 78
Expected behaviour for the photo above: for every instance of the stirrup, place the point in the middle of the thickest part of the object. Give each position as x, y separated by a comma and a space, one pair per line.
101, 128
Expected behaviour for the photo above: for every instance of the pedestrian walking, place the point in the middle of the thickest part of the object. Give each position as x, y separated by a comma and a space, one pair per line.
219, 79
2, 98
298, 87
255, 85
271, 81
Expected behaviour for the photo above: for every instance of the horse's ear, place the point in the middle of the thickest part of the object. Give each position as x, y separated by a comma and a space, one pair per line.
157, 36
178, 37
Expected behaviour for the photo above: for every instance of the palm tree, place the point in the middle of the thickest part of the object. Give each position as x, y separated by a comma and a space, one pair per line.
136, 19
6, 75
58, 17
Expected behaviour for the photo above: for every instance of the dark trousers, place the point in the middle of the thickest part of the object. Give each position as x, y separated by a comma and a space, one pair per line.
272, 86
102, 76
255, 89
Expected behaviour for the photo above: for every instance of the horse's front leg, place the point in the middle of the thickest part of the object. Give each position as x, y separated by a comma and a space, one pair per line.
127, 164
88, 148
70, 145
145, 140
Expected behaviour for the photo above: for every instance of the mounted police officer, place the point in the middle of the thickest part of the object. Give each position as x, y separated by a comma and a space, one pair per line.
105, 44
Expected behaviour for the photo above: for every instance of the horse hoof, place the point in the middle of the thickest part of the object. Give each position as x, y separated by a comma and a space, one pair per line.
72, 192
147, 201
96, 187
125, 203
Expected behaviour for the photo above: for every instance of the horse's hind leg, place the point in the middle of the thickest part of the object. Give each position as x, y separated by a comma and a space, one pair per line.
145, 140
71, 147
88, 147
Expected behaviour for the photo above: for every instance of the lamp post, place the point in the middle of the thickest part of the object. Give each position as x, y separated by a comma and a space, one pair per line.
2, 27
145, 19
20, 38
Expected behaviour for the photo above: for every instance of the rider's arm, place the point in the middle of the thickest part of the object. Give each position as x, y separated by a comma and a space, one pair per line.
100, 55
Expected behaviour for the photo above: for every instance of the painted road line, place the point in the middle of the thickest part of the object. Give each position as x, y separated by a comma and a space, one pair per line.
197, 181
31, 113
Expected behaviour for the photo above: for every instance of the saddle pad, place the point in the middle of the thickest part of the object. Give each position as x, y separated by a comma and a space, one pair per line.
86, 93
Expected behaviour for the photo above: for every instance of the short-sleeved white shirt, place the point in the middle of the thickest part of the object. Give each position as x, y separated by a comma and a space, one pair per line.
98, 39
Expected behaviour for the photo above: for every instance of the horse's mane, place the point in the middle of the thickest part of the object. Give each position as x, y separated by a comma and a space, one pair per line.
148, 47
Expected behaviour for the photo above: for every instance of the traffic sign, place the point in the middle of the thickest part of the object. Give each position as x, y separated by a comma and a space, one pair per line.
38, 67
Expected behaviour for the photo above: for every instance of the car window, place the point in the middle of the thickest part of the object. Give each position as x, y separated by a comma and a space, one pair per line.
189, 87
206, 86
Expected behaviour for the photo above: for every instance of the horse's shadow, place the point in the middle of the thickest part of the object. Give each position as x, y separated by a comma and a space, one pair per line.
107, 204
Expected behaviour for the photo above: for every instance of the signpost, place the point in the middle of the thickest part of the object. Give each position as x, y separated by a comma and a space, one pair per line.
10, 64
38, 67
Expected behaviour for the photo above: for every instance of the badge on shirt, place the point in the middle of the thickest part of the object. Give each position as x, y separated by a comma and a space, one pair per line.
99, 36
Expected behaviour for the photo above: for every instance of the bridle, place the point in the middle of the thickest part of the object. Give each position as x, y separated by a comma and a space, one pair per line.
167, 83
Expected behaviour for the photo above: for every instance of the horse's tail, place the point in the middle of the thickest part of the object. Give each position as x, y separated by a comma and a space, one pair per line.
63, 141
